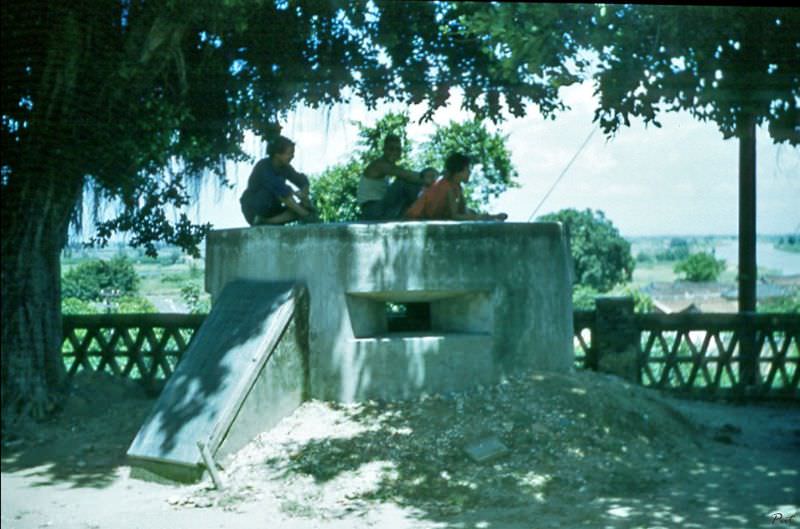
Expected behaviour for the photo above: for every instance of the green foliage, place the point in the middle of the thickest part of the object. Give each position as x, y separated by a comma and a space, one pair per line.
701, 59
583, 297
195, 299
645, 59
134, 305
334, 191
94, 280
143, 76
71, 305
677, 250
641, 302
700, 266
371, 138
173, 278
195, 270
786, 304
601, 256
492, 171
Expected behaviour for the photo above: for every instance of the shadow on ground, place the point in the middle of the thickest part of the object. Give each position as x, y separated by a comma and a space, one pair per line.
86, 442
581, 453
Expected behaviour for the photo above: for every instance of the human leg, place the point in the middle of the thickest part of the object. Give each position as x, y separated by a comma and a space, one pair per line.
372, 210
283, 217
399, 197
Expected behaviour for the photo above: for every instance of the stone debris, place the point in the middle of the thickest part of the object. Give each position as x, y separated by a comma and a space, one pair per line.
506, 445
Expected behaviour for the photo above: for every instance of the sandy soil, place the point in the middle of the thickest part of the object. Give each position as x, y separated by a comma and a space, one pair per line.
581, 450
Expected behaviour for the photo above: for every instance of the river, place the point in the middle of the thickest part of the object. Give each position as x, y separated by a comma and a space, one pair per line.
767, 256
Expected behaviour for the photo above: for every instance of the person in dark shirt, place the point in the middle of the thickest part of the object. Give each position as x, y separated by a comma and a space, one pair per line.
268, 198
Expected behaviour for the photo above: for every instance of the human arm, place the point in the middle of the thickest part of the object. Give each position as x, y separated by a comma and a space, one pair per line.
295, 205
458, 211
302, 183
381, 168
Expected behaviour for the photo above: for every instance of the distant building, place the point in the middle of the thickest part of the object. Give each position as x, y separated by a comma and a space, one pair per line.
764, 291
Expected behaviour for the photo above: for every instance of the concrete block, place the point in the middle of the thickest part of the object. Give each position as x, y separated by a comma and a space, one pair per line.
499, 298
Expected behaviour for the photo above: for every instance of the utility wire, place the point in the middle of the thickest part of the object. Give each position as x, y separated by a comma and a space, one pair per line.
580, 149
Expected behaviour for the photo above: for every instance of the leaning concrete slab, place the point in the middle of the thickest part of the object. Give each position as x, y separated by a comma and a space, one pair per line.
245, 369
497, 296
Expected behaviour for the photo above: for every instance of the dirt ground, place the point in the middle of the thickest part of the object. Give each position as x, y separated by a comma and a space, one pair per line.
577, 450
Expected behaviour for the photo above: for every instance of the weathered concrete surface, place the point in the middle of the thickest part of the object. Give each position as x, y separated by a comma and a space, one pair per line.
499, 295
245, 370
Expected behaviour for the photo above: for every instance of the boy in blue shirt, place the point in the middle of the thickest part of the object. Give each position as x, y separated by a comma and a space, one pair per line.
268, 198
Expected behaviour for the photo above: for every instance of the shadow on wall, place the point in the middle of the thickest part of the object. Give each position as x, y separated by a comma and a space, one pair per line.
356, 367
213, 378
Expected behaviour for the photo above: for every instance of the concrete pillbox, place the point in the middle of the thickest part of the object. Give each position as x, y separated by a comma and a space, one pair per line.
497, 297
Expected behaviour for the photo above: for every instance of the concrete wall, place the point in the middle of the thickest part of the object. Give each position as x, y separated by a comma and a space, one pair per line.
499, 297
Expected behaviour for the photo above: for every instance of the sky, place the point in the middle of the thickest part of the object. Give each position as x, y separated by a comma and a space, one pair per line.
680, 179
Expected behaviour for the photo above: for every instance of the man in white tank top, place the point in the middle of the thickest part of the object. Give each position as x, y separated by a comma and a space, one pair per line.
380, 200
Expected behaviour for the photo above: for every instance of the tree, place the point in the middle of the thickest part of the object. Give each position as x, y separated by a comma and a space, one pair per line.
734, 66
335, 189
133, 100
700, 266
719, 63
334, 192
492, 171
600, 256
90, 279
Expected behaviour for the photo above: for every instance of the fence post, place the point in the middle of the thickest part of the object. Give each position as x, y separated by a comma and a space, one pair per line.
615, 338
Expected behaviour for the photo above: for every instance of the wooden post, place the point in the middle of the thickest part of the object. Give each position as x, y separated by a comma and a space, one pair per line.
747, 246
211, 465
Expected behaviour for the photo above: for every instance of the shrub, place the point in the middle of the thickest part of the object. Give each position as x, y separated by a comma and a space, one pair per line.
77, 306
583, 297
641, 301
88, 280
195, 299
134, 305
700, 266
786, 304
334, 192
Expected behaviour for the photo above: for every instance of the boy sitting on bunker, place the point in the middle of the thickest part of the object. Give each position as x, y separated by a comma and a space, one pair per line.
268, 199
377, 198
444, 199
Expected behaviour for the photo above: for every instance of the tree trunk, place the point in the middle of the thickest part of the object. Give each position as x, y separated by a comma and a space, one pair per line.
36, 215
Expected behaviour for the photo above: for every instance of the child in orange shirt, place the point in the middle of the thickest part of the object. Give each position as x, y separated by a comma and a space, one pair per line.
444, 199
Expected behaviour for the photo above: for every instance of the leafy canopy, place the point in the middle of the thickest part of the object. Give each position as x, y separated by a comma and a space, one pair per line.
139, 99
334, 191
701, 266
601, 256
96, 279
720, 63
136, 100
